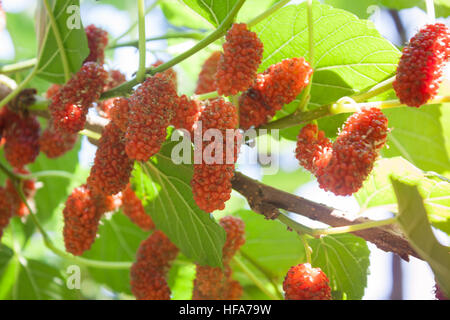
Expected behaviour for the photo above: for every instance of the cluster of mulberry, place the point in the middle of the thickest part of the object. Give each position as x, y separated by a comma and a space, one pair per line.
207, 77
82, 213
302, 282
211, 182
97, 41
132, 207
69, 106
280, 84
343, 166
151, 109
112, 167
216, 283
149, 273
238, 65
419, 71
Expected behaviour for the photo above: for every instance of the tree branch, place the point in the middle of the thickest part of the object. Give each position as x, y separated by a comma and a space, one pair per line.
267, 200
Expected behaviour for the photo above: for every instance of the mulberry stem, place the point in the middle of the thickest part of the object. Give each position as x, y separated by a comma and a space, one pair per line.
353, 228
267, 13
18, 66
140, 76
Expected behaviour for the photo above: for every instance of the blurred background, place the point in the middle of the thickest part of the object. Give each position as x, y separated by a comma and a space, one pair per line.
413, 280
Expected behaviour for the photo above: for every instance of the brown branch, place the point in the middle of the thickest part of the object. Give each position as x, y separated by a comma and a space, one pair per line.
267, 201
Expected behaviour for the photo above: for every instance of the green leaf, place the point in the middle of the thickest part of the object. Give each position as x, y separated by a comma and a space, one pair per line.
178, 14
270, 245
119, 240
5, 255
400, 4
21, 28
378, 190
50, 65
417, 135
344, 258
213, 11
170, 202
28, 279
413, 220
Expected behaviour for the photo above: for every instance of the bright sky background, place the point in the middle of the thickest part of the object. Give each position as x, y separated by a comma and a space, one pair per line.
418, 278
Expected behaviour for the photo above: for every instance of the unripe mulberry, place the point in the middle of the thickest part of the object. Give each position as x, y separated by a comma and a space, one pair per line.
419, 71
152, 107
6, 210
211, 183
81, 220
19, 208
207, 77
115, 79
343, 169
97, 41
70, 105
119, 113
280, 84
132, 207
112, 167
186, 114
312, 144
237, 68
149, 273
22, 140
54, 144
215, 283
302, 282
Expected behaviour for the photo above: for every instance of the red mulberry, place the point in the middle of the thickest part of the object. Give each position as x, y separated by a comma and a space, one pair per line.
302, 282
211, 182
148, 274
6, 210
132, 207
81, 220
97, 41
169, 74
152, 107
52, 90
280, 84
21, 140
19, 208
119, 113
238, 65
344, 169
438, 293
216, 283
207, 77
69, 106
186, 114
54, 144
112, 167
311, 146
419, 71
